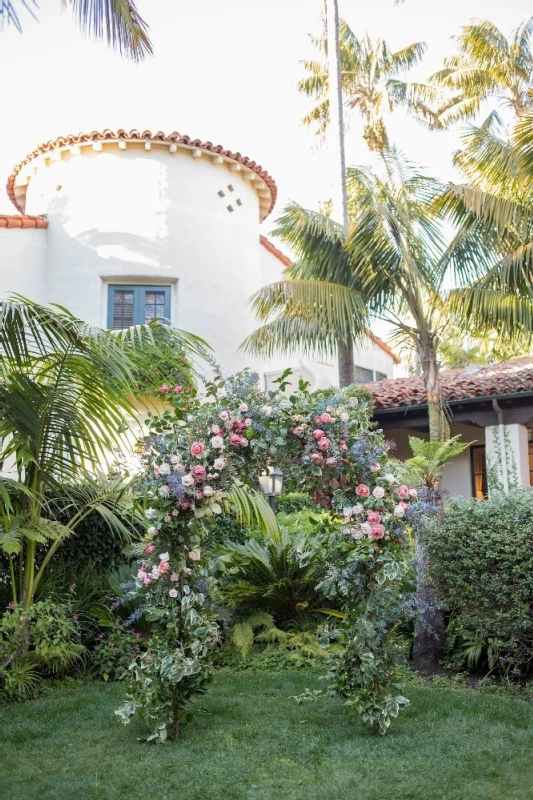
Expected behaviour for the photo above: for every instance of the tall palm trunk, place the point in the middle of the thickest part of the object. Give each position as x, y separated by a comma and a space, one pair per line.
338, 152
429, 626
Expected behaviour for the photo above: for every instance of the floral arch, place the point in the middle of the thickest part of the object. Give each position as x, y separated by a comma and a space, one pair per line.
203, 458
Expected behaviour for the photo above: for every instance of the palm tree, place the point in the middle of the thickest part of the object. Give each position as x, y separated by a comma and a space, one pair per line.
370, 83
64, 400
116, 21
487, 66
396, 264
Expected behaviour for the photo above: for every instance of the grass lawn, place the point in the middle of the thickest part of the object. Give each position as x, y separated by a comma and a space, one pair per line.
256, 743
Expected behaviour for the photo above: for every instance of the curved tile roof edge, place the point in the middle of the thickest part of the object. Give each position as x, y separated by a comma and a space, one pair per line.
22, 221
135, 135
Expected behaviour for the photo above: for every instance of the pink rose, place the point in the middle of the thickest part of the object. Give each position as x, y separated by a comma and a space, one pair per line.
375, 468
147, 580
343, 446
318, 434
178, 389
163, 389
197, 448
174, 577
331, 461
316, 458
149, 549
198, 473
362, 490
325, 417
402, 491
373, 517
399, 510
196, 554
377, 532
235, 439
164, 567
344, 417
323, 443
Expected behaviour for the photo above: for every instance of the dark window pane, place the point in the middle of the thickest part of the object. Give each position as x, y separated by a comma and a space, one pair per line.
154, 305
363, 375
479, 471
122, 309
380, 376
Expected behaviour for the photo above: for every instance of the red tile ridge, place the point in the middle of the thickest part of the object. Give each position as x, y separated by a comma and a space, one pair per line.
275, 252
135, 135
22, 221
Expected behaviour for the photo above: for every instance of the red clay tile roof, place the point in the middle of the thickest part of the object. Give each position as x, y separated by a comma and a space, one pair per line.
511, 377
288, 263
135, 135
275, 252
22, 221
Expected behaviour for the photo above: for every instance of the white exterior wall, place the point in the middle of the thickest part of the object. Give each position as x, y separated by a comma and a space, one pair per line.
23, 262
137, 216
508, 454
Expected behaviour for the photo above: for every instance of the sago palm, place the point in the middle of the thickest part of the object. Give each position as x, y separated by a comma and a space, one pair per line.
488, 66
371, 84
397, 262
115, 21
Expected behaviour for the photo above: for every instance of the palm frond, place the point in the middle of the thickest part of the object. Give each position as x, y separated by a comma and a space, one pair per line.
116, 21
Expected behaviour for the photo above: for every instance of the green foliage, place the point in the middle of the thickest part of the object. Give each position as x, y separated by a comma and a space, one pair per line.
116, 649
292, 502
425, 467
482, 564
42, 640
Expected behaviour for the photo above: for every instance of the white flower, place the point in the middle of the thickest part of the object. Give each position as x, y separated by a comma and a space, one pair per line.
243, 408
344, 417
150, 494
223, 415
174, 459
155, 573
366, 529
174, 577
267, 411
215, 429
164, 469
399, 511
164, 557
179, 468
358, 533
173, 592
196, 554
389, 477
248, 422
217, 442
358, 508
150, 513
187, 480
347, 511
152, 531
221, 394
208, 491
219, 463
228, 425
164, 491
413, 493
141, 574
379, 492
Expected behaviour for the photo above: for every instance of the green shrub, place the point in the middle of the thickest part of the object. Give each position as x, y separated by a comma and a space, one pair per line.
115, 650
292, 502
481, 559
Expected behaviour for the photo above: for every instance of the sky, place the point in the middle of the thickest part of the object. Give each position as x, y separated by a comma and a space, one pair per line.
224, 71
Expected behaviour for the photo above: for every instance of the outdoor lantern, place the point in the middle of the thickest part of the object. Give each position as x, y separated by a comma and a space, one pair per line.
272, 485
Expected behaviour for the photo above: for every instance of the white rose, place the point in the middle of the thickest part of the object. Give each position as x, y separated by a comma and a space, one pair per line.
217, 442
267, 411
150, 513
179, 468
399, 511
155, 573
344, 417
358, 534
215, 429
347, 511
141, 574
164, 469
173, 593
366, 529
164, 557
243, 408
208, 491
187, 480
228, 425
413, 493
223, 415
174, 459
164, 491
219, 463
389, 477
358, 508
221, 394
379, 492
248, 422
152, 531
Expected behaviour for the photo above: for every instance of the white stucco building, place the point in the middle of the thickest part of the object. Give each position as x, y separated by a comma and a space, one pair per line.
121, 226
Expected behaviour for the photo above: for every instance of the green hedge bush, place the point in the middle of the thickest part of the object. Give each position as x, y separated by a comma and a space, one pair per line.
481, 559
292, 502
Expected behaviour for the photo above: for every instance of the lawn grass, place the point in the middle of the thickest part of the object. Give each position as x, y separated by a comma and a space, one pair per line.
256, 743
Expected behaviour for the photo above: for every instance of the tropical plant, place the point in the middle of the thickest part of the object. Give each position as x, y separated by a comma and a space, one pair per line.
429, 458
488, 66
116, 21
65, 402
395, 265
370, 80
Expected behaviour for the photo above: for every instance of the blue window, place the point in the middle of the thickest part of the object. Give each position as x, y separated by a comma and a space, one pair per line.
134, 305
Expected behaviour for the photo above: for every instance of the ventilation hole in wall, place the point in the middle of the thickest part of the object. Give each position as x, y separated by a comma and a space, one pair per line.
230, 209
238, 201
230, 188
221, 193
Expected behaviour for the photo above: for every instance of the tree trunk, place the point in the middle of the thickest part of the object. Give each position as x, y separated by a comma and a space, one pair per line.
429, 626
336, 116
346, 365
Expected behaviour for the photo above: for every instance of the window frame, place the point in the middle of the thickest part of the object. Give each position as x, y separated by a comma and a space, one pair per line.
139, 299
